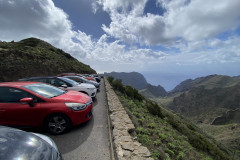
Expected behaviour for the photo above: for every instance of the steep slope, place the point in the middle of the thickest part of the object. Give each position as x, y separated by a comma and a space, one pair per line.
165, 134
205, 105
213, 103
138, 81
34, 57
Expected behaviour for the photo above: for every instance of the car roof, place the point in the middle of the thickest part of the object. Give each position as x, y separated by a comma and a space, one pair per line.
13, 143
16, 84
39, 77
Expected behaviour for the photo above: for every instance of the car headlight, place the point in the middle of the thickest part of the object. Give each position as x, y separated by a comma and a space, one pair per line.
76, 106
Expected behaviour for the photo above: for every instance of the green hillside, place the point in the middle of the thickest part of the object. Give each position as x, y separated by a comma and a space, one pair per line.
167, 136
208, 82
213, 104
34, 57
205, 105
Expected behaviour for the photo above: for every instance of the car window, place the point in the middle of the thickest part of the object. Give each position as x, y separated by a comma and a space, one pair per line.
45, 90
75, 79
57, 82
13, 95
67, 80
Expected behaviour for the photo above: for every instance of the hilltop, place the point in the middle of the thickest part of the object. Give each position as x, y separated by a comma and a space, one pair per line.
208, 82
34, 57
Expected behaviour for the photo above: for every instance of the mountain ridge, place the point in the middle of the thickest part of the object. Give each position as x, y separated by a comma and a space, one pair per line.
139, 82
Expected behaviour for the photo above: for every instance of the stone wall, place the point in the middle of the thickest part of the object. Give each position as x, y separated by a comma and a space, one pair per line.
125, 145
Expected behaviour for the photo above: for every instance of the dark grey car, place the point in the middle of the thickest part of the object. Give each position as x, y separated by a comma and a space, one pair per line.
18, 144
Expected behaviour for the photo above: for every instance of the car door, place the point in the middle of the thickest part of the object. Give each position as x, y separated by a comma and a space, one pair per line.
14, 112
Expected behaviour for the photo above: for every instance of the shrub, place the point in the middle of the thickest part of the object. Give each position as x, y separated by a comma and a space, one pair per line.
110, 79
154, 109
117, 84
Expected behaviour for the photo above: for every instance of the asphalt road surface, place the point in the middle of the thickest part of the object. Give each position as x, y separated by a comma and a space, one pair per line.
90, 140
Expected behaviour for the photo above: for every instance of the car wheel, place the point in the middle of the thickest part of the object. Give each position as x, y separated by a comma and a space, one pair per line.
57, 124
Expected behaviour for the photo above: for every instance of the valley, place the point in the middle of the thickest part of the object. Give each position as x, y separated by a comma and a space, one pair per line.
212, 103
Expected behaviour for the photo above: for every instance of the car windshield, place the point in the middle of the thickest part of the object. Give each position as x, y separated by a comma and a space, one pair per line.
72, 82
45, 90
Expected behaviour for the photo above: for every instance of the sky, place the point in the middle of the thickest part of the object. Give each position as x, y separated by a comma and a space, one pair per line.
168, 41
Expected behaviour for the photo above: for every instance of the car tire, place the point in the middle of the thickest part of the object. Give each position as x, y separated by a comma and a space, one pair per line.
57, 124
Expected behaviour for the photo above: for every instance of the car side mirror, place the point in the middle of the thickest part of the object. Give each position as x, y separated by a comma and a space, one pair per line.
64, 86
28, 101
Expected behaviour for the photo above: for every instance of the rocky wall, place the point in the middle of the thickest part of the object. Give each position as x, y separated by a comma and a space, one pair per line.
125, 145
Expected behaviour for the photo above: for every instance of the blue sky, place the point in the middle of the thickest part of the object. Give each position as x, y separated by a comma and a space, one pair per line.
166, 41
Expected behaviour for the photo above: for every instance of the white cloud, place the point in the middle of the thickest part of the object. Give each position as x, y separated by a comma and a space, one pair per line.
189, 20
189, 28
42, 19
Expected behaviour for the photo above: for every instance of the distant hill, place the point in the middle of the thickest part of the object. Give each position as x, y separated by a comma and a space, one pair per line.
208, 82
34, 57
153, 91
134, 79
205, 98
138, 81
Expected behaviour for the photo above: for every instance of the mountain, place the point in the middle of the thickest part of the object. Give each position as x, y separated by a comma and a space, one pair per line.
34, 57
134, 79
205, 105
208, 82
205, 98
138, 81
213, 104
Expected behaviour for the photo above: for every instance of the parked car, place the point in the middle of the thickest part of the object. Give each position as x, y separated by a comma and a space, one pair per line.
87, 77
76, 74
42, 105
83, 80
66, 84
18, 144
97, 77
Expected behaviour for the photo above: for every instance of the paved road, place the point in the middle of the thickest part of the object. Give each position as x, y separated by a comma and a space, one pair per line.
88, 141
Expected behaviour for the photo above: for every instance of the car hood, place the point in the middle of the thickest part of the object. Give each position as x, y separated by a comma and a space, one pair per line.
73, 96
18, 144
86, 85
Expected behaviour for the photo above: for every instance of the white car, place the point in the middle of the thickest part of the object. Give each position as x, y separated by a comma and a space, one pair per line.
66, 84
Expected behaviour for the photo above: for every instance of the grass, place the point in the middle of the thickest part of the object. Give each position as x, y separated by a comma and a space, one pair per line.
165, 134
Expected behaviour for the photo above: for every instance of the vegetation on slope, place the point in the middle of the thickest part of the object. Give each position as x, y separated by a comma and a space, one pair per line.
206, 104
166, 135
34, 57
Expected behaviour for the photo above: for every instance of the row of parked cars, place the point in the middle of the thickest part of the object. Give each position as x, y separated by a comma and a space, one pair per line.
55, 103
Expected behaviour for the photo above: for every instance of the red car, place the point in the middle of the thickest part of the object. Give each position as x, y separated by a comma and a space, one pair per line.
40, 104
